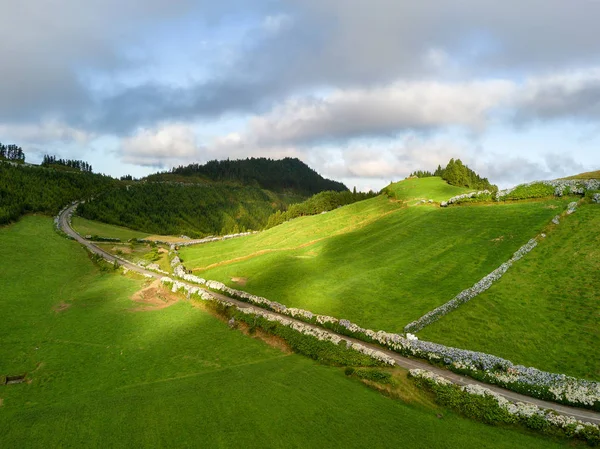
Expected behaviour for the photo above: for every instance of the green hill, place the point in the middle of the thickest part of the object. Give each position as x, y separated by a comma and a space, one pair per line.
545, 311
29, 189
195, 210
288, 175
587, 175
103, 373
375, 262
413, 190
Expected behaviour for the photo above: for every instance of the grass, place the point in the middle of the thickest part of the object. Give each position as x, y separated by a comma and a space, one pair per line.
89, 227
434, 188
101, 375
384, 273
545, 311
587, 175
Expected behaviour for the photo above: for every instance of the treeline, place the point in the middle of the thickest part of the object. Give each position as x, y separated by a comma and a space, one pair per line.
285, 175
83, 166
193, 210
321, 202
25, 189
458, 174
12, 153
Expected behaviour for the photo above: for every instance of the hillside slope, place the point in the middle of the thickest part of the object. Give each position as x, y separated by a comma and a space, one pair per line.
434, 188
103, 373
375, 262
545, 311
26, 189
194, 210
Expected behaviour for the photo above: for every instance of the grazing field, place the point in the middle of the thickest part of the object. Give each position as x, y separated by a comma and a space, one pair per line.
383, 273
432, 188
103, 373
545, 312
90, 227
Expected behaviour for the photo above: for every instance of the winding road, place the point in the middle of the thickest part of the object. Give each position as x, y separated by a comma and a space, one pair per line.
404, 362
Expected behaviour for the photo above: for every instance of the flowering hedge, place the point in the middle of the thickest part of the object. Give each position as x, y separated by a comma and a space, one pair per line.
262, 317
538, 189
485, 367
481, 403
470, 293
482, 195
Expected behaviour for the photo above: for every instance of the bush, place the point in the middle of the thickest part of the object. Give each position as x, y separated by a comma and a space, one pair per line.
382, 377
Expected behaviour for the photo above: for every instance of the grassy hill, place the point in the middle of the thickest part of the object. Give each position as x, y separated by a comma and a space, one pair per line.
375, 262
103, 373
545, 311
412, 190
587, 175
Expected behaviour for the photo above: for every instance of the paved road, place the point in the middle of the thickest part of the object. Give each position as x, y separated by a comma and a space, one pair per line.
404, 362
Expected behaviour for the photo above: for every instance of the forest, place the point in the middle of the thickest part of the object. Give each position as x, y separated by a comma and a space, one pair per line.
321, 202
194, 210
11, 153
282, 176
29, 189
52, 161
458, 174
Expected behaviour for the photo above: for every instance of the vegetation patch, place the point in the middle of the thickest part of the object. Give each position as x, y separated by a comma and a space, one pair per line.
482, 404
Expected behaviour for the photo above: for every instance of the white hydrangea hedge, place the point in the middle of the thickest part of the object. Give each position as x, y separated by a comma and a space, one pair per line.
320, 334
481, 366
516, 409
561, 187
458, 198
470, 293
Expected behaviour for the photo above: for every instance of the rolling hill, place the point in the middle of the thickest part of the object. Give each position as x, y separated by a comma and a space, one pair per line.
104, 369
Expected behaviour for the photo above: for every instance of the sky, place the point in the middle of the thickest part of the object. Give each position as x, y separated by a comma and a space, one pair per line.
363, 91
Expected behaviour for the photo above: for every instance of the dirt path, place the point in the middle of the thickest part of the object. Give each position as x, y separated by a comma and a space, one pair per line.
404, 362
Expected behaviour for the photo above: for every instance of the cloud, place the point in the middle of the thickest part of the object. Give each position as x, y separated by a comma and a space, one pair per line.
165, 146
47, 132
572, 95
381, 111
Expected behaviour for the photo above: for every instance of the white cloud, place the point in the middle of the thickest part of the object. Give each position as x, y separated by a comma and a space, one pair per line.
167, 145
46, 132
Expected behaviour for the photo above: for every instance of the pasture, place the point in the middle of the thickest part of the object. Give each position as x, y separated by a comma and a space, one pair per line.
101, 372
545, 311
373, 262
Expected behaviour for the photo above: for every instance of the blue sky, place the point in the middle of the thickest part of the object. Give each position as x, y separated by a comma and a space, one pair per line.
363, 91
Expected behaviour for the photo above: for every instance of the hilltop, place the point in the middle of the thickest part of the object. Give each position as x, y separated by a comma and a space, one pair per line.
289, 175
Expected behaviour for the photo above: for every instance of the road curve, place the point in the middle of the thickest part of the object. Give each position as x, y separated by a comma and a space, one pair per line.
404, 362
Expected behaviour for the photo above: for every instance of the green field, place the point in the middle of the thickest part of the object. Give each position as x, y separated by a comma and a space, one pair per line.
101, 374
89, 227
383, 273
431, 188
545, 311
